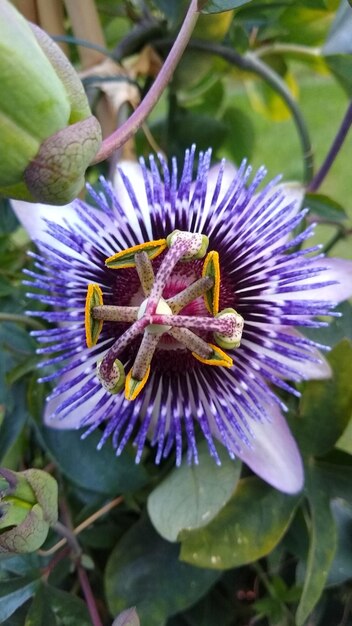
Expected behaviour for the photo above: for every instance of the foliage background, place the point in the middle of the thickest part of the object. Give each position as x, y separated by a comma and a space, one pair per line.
206, 545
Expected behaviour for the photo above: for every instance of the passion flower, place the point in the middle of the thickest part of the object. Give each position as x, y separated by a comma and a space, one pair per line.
175, 304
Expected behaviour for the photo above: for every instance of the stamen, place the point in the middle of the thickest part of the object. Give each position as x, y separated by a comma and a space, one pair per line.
110, 313
106, 365
145, 271
230, 324
116, 381
218, 357
191, 293
93, 327
192, 342
133, 387
182, 245
211, 268
145, 354
230, 340
126, 258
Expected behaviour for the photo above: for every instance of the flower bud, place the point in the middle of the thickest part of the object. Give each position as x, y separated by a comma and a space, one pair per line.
48, 135
28, 507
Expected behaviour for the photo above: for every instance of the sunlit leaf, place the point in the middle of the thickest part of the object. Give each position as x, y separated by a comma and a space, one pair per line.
249, 526
217, 6
191, 496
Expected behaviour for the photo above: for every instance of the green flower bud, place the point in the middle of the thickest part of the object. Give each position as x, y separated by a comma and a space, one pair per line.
28, 507
48, 135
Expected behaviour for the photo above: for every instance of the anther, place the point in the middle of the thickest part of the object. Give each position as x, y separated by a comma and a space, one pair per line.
231, 338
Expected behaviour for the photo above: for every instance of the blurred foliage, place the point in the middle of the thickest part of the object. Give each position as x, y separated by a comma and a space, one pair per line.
206, 545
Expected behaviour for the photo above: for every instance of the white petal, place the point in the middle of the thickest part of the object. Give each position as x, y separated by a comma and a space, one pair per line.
32, 217
337, 270
133, 171
275, 456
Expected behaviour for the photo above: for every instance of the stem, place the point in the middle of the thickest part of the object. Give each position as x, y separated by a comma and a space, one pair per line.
87, 522
122, 134
88, 594
21, 319
334, 150
251, 63
290, 49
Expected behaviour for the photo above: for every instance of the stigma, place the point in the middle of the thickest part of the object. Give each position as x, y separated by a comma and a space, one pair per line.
157, 317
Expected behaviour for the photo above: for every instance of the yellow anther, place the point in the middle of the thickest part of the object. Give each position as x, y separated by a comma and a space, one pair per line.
218, 357
125, 258
93, 327
211, 268
133, 387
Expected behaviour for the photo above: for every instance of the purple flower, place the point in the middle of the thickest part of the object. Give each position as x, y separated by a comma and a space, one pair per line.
174, 307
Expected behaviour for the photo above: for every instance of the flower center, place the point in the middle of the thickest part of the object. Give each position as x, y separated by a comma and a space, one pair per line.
157, 316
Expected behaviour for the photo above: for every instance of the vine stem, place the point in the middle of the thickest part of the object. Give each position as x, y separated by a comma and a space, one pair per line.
88, 594
334, 150
127, 130
87, 522
249, 62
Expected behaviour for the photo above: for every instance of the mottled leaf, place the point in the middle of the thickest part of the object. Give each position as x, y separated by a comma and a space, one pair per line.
191, 496
144, 570
247, 528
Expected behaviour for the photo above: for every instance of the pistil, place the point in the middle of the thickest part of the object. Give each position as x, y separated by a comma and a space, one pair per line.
191, 293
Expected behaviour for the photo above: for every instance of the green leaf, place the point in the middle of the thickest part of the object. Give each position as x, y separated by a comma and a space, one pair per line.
40, 613
324, 208
14, 593
339, 38
218, 6
67, 608
96, 470
340, 328
341, 66
341, 567
322, 545
249, 526
191, 496
326, 403
144, 570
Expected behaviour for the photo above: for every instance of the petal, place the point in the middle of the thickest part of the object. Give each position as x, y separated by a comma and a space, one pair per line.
275, 456
32, 217
338, 271
228, 175
133, 171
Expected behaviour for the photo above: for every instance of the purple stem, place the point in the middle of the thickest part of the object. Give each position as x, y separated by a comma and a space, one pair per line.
207, 324
122, 342
333, 152
88, 594
122, 134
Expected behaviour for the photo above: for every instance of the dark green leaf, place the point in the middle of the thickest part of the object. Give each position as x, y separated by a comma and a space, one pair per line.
218, 6
191, 496
249, 526
14, 418
341, 66
67, 608
324, 208
326, 403
322, 545
92, 469
14, 593
144, 570
40, 613
340, 328
341, 567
